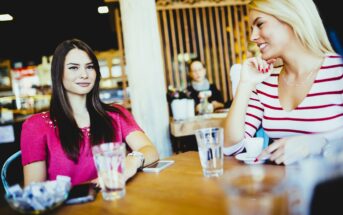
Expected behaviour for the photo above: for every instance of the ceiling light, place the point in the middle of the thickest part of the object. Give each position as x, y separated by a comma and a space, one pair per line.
103, 9
6, 17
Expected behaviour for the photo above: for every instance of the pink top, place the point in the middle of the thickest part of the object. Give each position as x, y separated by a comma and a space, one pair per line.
39, 142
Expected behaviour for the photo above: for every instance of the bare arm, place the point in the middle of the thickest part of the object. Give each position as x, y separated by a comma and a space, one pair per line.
254, 71
34, 172
235, 120
138, 141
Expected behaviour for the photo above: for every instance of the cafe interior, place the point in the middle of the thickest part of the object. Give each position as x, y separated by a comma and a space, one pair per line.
144, 49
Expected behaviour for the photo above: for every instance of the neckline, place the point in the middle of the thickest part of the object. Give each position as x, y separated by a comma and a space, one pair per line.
311, 88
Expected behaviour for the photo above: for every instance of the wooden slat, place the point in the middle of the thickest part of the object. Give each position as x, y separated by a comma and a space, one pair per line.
199, 27
117, 20
175, 51
183, 79
207, 46
214, 50
227, 58
194, 46
238, 48
246, 12
169, 68
232, 36
244, 30
161, 43
221, 71
186, 30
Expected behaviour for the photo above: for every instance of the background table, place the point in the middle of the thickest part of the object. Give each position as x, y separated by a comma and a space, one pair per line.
183, 128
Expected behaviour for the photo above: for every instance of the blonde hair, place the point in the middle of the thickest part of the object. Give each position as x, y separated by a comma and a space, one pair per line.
304, 19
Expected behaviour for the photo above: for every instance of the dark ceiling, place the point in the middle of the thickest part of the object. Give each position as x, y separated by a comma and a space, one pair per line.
39, 25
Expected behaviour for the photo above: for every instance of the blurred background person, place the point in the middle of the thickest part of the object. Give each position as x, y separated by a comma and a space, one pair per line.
200, 89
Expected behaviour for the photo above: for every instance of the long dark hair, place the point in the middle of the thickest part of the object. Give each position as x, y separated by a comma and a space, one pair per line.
101, 124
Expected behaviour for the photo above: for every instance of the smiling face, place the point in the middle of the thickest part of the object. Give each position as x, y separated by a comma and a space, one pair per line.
271, 35
79, 74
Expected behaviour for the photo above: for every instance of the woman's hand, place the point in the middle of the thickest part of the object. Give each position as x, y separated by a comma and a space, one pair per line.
131, 166
292, 149
255, 70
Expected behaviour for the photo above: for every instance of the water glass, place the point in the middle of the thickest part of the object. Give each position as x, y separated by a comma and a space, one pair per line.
210, 146
109, 160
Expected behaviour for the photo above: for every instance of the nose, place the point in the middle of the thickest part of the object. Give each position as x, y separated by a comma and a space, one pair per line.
254, 35
84, 73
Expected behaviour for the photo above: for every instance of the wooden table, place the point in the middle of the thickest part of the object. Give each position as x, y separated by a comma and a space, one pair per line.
179, 189
183, 128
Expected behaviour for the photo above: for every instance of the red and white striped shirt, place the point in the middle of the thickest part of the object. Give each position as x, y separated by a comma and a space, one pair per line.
320, 111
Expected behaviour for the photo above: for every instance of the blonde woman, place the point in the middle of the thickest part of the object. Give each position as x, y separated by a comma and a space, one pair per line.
299, 106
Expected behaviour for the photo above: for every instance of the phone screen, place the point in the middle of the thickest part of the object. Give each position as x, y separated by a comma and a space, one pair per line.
158, 164
81, 193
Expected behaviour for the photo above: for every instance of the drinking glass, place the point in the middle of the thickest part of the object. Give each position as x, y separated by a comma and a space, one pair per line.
110, 163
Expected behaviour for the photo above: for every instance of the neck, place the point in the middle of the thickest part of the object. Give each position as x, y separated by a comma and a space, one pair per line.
301, 62
78, 103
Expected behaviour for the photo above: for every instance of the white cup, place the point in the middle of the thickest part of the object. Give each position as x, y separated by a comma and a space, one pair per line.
253, 146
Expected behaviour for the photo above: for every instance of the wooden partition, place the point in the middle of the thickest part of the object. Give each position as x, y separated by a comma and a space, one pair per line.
214, 31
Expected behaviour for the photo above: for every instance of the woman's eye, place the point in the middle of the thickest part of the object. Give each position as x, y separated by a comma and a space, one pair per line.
91, 67
259, 24
73, 68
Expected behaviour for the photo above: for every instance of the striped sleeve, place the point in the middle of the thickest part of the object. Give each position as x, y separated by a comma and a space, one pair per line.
253, 116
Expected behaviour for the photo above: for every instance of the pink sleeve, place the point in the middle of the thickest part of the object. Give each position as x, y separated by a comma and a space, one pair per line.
127, 122
33, 140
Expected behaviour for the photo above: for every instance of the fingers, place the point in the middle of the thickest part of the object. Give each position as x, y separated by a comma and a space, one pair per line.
271, 61
262, 65
275, 145
276, 151
280, 159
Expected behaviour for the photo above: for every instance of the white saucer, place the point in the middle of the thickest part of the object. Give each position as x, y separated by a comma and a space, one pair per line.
249, 160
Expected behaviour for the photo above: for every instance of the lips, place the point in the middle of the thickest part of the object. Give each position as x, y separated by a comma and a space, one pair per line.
83, 84
262, 46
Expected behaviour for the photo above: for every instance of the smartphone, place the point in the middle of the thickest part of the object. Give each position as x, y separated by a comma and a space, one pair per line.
82, 193
158, 166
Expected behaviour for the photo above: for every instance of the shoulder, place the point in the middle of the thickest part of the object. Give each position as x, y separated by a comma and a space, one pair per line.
236, 67
332, 67
39, 120
213, 87
333, 62
119, 111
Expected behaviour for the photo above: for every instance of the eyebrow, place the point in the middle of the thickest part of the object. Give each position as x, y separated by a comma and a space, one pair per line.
254, 22
76, 64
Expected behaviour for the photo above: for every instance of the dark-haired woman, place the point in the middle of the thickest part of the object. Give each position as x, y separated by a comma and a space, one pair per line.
59, 142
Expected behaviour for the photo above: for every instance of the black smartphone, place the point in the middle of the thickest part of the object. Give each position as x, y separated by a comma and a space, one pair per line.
82, 193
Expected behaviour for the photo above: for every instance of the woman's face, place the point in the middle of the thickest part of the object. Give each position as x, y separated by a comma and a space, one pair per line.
197, 72
271, 35
79, 74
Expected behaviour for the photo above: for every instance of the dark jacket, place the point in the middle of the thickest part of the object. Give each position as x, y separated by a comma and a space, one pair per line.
216, 94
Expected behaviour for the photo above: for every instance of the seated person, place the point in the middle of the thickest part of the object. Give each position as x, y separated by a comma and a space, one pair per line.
299, 106
59, 142
199, 84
